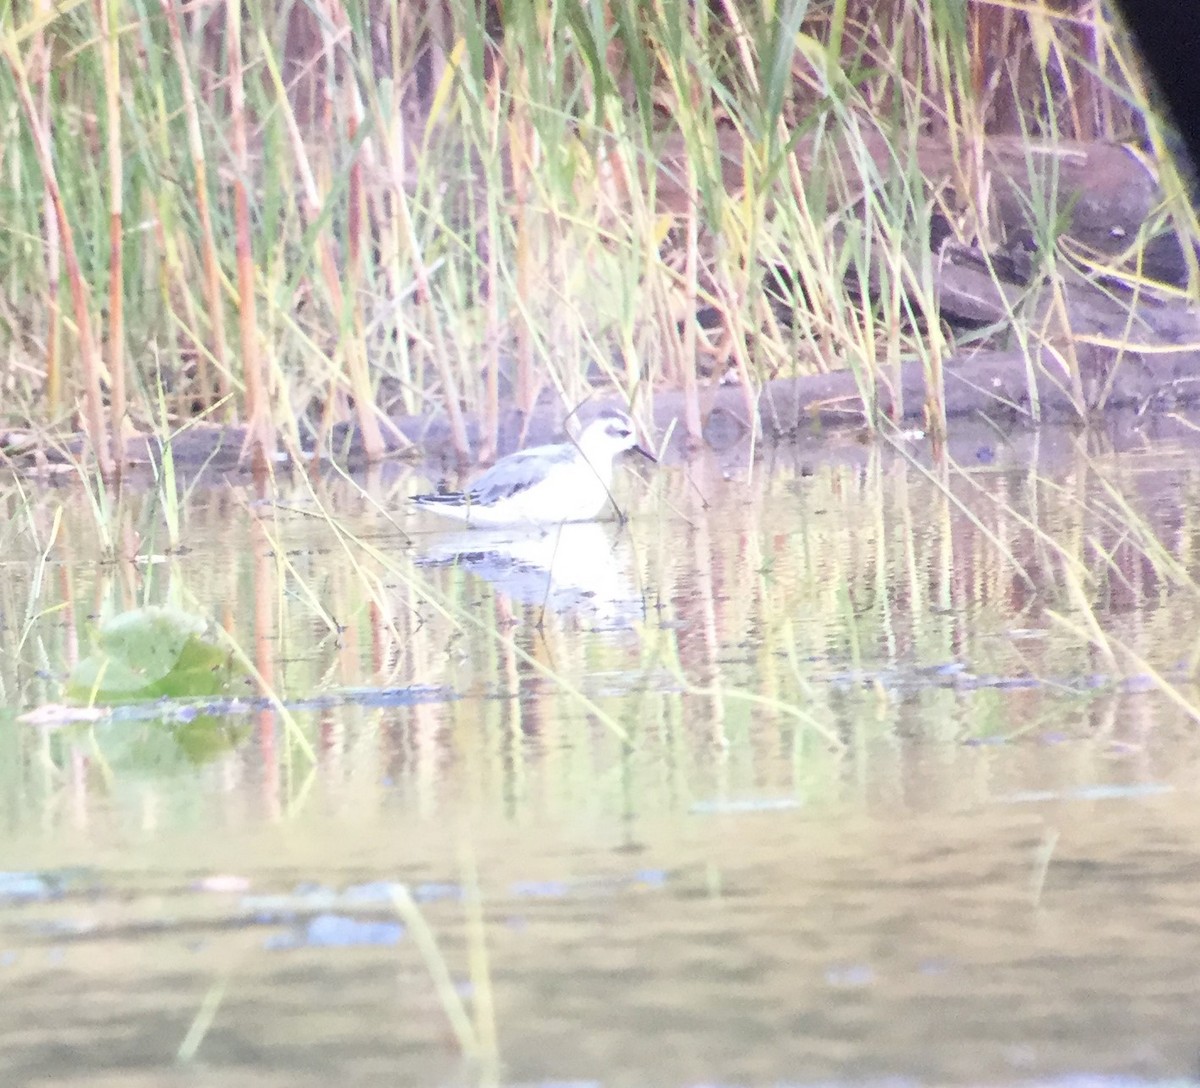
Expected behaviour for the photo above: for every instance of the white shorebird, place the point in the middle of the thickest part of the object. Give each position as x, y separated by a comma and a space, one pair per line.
544, 485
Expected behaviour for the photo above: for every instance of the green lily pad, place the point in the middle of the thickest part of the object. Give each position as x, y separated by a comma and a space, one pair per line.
150, 653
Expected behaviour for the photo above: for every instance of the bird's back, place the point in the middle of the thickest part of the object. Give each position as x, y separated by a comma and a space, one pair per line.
541, 485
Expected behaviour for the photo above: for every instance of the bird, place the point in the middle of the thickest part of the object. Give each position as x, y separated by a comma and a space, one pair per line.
544, 485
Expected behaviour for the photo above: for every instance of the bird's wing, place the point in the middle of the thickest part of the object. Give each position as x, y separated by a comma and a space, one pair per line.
518, 472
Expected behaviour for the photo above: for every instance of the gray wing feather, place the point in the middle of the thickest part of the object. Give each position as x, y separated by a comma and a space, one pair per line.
518, 472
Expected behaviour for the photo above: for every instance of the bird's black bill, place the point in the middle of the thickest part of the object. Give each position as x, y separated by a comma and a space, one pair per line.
645, 453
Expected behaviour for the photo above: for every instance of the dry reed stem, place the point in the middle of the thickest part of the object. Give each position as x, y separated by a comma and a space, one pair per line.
93, 401
107, 17
356, 355
454, 411
260, 426
491, 402
356, 358
522, 141
312, 208
490, 431
406, 235
693, 424
738, 335
39, 68
390, 140
208, 248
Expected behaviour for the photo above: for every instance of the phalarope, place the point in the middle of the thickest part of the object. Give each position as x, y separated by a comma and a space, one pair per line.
544, 485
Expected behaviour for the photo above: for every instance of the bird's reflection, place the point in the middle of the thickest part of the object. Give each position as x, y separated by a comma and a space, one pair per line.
579, 569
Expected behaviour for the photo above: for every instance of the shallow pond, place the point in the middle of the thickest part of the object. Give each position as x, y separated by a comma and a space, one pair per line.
861, 764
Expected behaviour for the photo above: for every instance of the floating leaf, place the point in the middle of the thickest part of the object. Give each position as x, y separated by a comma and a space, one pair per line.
149, 653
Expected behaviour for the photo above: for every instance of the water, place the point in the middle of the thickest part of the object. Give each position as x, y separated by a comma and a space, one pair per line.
857, 769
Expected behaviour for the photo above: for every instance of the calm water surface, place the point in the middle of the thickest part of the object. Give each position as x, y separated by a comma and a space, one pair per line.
861, 766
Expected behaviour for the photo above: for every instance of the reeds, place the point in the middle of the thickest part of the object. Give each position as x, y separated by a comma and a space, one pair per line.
455, 208
90, 364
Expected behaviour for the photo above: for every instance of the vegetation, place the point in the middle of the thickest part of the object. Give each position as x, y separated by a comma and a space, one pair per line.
286, 219
369, 211
291, 215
